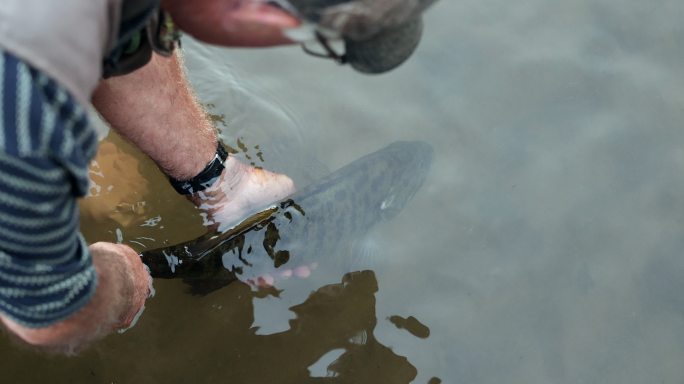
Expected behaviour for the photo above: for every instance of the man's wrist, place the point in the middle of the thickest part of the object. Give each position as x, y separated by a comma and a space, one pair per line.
205, 178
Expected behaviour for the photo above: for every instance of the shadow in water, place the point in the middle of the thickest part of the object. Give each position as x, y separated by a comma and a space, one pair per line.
336, 317
212, 340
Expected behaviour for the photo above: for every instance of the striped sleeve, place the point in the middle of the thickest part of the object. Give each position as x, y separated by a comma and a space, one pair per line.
46, 273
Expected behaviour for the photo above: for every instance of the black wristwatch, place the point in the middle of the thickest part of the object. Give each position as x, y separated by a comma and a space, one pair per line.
206, 178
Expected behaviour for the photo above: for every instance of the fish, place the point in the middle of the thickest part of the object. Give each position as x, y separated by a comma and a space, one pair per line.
307, 227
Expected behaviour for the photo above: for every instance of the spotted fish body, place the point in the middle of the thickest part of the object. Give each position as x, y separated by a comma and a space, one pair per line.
320, 220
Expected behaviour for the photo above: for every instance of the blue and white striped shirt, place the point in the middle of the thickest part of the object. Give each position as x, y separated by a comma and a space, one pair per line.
46, 142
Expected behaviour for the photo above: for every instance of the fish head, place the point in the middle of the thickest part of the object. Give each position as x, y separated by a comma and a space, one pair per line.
376, 186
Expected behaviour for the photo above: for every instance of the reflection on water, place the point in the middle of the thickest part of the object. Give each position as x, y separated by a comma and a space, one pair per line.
213, 341
127, 204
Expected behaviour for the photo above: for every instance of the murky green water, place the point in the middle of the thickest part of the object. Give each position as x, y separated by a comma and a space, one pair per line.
544, 247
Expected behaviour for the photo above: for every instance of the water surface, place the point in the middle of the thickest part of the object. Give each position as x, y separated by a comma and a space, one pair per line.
544, 247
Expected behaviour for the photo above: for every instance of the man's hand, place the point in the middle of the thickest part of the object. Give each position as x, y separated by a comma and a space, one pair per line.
123, 286
241, 190
137, 283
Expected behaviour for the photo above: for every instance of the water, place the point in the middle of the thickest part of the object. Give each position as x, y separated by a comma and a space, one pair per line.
544, 247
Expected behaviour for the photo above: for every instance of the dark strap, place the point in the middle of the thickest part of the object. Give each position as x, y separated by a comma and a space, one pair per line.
206, 178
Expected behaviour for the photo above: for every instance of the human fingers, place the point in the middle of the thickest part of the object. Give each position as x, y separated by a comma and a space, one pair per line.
135, 281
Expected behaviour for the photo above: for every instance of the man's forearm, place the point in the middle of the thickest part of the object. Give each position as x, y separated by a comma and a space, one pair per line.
156, 110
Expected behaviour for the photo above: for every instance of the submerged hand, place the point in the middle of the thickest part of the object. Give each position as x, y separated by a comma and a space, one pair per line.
123, 286
137, 284
240, 191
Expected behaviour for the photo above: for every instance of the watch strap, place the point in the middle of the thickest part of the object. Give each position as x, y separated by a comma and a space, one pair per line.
206, 178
